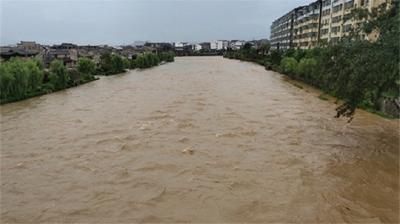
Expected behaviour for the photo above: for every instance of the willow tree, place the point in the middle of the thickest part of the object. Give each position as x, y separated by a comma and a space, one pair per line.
58, 74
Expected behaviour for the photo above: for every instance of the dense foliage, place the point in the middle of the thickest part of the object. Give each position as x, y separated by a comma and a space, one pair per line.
86, 66
149, 60
356, 70
20, 79
113, 64
166, 56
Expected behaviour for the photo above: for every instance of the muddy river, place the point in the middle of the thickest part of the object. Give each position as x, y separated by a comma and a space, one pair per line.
203, 139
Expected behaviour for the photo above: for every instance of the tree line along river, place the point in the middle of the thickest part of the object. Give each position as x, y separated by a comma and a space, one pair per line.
203, 139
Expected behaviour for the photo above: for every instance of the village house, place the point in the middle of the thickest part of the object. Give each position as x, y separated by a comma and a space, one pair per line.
65, 52
197, 47
65, 46
219, 45
23, 50
205, 46
92, 52
160, 47
9, 52
68, 56
30, 46
179, 46
236, 44
129, 52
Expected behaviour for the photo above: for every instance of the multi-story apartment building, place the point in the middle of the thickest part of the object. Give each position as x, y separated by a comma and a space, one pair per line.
325, 26
306, 25
320, 21
219, 45
236, 44
340, 23
282, 32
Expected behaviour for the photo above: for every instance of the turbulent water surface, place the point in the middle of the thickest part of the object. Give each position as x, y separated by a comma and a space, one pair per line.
203, 139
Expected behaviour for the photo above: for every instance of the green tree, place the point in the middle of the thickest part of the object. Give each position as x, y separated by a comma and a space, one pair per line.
307, 68
20, 72
58, 70
289, 65
247, 46
117, 64
35, 75
7, 82
127, 63
140, 61
106, 65
133, 64
275, 57
86, 66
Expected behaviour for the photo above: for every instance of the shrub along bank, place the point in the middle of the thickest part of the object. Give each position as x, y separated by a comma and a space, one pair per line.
111, 64
21, 79
361, 73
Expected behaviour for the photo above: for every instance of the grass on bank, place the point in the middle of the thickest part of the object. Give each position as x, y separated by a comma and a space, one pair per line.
323, 97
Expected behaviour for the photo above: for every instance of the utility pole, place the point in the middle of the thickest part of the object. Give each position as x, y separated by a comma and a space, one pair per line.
319, 21
291, 29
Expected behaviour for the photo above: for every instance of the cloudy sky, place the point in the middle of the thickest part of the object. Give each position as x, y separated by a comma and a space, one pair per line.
125, 21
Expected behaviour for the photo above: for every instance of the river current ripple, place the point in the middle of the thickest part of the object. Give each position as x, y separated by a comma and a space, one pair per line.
203, 139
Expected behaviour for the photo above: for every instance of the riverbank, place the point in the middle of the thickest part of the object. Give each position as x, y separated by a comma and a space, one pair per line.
313, 68
20, 80
362, 72
328, 97
199, 54
41, 93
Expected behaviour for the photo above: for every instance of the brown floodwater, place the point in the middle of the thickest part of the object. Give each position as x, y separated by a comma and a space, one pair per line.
203, 139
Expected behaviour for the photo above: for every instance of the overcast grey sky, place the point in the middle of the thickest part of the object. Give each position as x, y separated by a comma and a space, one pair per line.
125, 21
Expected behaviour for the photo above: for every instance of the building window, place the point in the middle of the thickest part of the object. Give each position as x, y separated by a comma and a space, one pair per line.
347, 17
335, 29
349, 5
326, 12
337, 8
347, 28
324, 31
326, 3
336, 19
364, 2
